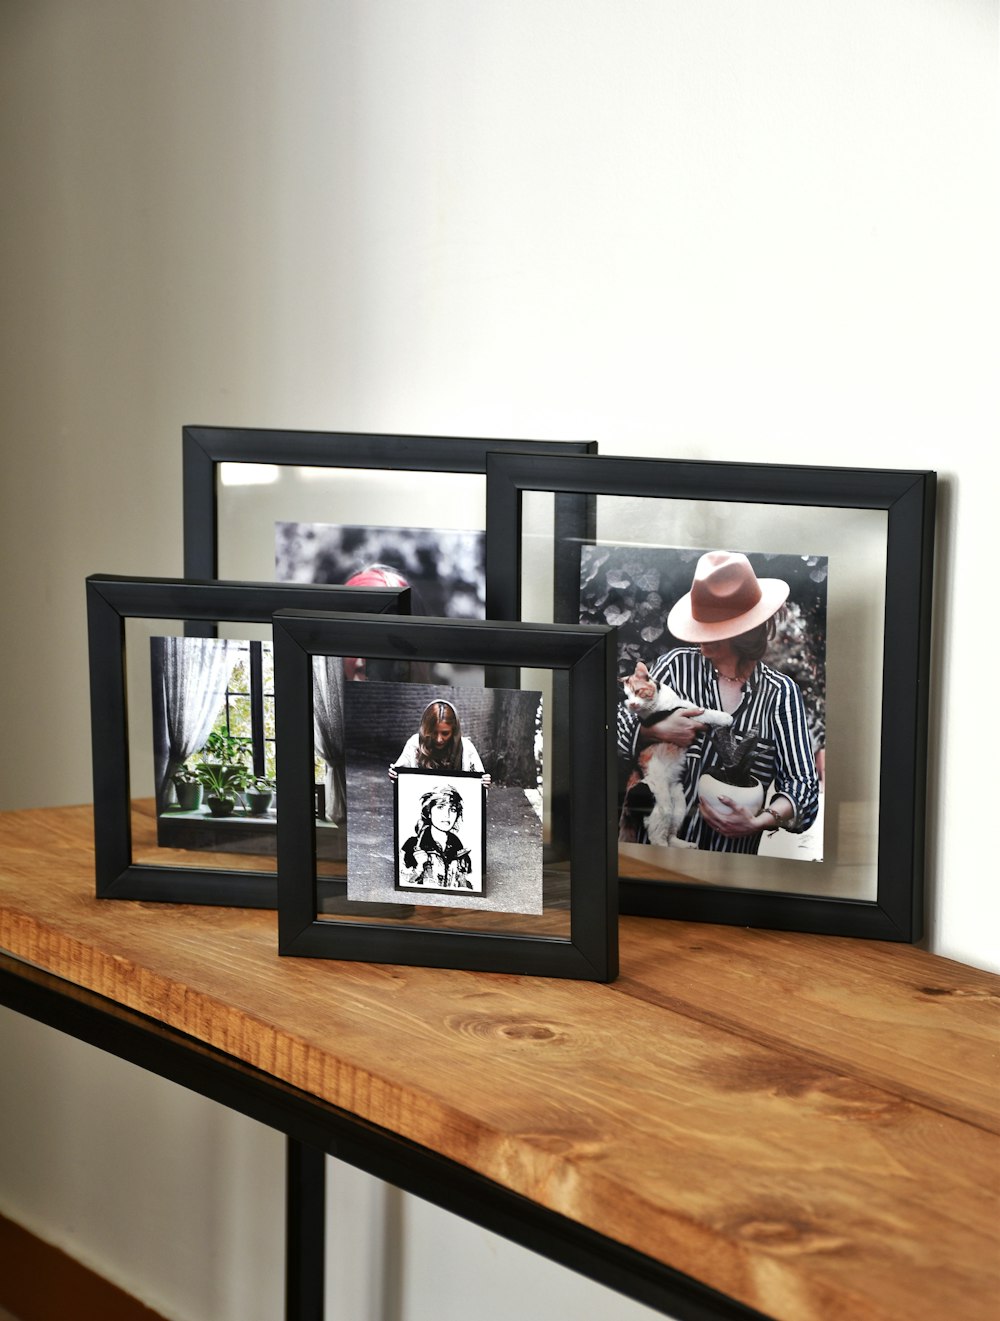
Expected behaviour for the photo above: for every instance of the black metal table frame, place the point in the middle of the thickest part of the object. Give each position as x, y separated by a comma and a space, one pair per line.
314, 1129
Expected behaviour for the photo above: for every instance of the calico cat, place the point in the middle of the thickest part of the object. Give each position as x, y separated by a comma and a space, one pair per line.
657, 785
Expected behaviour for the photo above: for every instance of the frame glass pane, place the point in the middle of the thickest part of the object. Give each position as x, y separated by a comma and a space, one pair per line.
852, 542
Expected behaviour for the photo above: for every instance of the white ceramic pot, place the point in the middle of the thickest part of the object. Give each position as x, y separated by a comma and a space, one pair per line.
749, 796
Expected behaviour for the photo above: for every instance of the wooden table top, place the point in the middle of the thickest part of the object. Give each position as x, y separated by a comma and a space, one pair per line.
810, 1125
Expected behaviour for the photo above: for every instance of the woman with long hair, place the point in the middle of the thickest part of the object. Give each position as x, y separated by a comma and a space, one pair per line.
438, 745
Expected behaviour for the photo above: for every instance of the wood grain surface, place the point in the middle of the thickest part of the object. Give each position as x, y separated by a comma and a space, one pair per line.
808, 1124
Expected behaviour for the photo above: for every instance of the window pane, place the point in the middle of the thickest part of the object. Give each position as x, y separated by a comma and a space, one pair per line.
239, 717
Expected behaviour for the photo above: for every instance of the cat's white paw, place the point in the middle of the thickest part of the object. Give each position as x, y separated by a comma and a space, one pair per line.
674, 843
715, 719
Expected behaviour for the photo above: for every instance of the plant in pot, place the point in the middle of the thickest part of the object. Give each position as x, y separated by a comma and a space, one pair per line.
223, 785
731, 775
225, 749
188, 788
260, 795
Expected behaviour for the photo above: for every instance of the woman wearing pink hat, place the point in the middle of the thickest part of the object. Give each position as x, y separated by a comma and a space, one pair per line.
729, 613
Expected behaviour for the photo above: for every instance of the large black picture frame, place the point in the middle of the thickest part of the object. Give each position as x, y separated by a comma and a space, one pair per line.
908, 501
586, 655
205, 448
110, 602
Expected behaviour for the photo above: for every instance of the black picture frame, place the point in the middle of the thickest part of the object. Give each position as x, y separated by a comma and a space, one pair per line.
204, 448
111, 601
469, 785
908, 501
585, 656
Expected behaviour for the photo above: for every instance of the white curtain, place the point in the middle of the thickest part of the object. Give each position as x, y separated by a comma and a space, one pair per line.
192, 675
328, 727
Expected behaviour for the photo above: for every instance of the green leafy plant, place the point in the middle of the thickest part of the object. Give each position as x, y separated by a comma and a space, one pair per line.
225, 749
735, 757
223, 771
225, 782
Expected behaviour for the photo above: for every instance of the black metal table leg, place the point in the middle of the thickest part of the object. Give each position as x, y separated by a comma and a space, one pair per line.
319, 1126
305, 1238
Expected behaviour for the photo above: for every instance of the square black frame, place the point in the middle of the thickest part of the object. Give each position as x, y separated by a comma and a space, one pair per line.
110, 602
586, 653
908, 498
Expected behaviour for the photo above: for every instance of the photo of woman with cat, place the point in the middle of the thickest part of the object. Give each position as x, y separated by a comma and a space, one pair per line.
716, 706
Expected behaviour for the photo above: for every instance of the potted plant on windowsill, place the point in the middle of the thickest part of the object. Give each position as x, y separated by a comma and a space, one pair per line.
188, 788
223, 785
260, 795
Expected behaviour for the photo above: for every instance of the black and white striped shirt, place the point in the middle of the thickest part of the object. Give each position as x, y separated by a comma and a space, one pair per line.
772, 706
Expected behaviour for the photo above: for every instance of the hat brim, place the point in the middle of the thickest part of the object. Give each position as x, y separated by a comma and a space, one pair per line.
682, 624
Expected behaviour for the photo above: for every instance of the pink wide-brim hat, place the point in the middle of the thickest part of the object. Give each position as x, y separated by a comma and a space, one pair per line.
376, 575
726, 599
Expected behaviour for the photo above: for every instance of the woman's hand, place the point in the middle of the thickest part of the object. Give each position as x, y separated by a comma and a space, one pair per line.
487, 780
680, 728
392, 773
737, 822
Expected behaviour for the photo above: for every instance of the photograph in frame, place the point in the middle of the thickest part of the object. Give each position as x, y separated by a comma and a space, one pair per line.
739, 641
214, 751
415, 732
872, 532
440, 833
445, 570
213, 743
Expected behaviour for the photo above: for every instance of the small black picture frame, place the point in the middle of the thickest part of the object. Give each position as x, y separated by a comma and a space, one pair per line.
877, 652
582, 657
454, 867
110, 602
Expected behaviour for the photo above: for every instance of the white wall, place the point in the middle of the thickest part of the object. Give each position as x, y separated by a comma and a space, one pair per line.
697, 228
